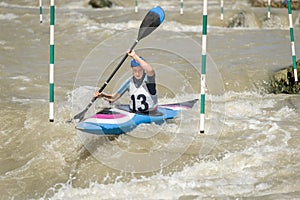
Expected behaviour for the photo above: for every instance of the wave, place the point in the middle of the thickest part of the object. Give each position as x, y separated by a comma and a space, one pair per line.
257, 129
254, 139
13, 5
8, 16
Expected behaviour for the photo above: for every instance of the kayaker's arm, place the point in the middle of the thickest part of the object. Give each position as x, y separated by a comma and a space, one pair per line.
151, 85
146, 66
111, 98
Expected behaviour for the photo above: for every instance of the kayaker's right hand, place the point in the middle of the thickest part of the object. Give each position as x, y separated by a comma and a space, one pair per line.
107, 97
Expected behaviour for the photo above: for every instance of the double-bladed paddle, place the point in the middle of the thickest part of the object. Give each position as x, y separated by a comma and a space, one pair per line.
150, 22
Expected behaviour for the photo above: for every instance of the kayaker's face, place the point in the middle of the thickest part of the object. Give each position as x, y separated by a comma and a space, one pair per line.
137, 72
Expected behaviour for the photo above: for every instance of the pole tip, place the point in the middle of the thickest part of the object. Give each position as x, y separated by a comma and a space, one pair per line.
202, 131
51, 120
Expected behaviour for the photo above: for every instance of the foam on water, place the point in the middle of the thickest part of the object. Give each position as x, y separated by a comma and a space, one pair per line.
251, 166
8, 16
22, 78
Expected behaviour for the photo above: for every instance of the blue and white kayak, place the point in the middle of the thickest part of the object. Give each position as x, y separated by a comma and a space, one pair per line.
118, 120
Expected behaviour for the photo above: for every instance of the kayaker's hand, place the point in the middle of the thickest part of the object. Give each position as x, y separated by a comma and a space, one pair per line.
131, 54
98, 94
106, 97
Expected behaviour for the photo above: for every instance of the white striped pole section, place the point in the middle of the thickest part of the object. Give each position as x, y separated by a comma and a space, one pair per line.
269, 9
292, 40
41, 11
136, 9
181, 7
203, 69
222, 10
51, 71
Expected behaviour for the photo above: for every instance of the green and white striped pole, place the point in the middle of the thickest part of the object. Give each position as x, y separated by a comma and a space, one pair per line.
269, 9
41, 11
292, 40
222, 10
203, 69
181, 7
51, 71
136, 8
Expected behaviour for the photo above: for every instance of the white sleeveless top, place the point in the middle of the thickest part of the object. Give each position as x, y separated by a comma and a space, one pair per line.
140, 98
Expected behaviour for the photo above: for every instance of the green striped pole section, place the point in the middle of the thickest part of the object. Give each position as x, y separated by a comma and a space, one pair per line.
222, 10
203, 69
292, 40
269, 9
51, 71
181, 7
136, 9
41, 11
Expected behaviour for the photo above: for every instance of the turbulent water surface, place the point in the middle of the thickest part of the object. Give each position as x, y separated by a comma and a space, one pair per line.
250, 148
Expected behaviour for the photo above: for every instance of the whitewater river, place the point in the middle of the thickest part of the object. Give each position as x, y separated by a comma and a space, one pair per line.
250, 148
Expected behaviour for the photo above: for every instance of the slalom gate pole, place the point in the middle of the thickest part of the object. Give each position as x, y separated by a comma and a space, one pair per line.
181, 7
222, 10
269, 9
41, 11
203, 69
51, 70
136, 8
292, 40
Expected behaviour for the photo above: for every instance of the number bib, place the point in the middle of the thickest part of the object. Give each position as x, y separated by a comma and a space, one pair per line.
140, 98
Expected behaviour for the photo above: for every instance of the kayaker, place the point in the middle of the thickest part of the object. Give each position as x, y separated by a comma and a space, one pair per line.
141, 86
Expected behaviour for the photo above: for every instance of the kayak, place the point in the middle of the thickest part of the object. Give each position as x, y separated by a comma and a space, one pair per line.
119, 120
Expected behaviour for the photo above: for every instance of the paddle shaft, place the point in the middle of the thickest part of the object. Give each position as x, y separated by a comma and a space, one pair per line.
117, 68
81, 115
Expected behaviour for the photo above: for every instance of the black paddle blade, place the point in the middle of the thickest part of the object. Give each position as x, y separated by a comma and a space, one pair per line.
80, 115
151, 21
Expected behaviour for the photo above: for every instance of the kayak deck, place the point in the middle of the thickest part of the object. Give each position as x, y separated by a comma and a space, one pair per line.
119, 120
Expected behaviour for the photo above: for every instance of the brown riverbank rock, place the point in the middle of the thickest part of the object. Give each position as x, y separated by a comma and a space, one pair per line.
276, 3
100, 3
284, 82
